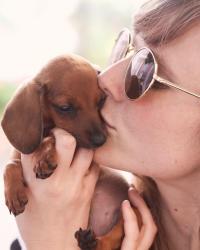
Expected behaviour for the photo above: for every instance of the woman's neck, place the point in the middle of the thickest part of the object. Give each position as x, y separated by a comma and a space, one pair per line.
180, 211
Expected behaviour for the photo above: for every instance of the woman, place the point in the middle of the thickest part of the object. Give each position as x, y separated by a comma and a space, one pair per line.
153, 133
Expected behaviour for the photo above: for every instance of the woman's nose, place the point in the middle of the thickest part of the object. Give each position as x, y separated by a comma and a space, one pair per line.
111, 81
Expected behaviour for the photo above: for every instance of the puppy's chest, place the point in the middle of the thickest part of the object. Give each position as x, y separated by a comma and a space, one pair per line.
106, 205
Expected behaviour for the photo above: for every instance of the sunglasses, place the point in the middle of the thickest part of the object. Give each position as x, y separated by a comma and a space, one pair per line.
142, 70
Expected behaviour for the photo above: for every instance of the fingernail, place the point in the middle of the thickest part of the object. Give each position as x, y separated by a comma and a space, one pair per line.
126, 203
131, 188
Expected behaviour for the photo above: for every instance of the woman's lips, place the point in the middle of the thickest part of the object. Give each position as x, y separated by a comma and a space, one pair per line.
108, 124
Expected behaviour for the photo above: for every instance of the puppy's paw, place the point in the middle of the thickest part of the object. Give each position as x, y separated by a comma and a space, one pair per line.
43, 169
16, 198
46, 156
86, 239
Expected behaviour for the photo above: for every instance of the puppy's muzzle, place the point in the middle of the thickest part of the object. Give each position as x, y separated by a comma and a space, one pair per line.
96, 135
97, 139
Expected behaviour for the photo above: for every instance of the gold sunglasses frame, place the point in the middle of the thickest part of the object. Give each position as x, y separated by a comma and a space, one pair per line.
157, 78
155, 75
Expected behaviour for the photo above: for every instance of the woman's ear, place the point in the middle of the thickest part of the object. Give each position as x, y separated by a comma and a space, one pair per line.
22, 119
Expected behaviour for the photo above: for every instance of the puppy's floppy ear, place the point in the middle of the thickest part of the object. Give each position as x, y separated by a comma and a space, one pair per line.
22, 120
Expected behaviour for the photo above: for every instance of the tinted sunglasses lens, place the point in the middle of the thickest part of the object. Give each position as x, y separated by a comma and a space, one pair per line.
121, 46
139, 74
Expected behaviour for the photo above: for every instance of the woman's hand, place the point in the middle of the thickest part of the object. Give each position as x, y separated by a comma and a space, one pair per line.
59, 205
137, 238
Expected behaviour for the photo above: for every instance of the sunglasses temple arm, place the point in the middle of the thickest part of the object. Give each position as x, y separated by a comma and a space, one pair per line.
170, 84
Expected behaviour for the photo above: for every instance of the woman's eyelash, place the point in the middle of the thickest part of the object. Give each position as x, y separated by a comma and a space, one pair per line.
159, 85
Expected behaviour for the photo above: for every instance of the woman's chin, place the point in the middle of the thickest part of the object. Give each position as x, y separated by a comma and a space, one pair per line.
105, 155
100, 155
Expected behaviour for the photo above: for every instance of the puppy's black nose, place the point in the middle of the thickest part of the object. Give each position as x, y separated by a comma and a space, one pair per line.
98, 139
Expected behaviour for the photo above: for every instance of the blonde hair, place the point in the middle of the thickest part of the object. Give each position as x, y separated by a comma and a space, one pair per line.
159, 22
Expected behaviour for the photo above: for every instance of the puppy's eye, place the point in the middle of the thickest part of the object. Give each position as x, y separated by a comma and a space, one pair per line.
101, 102
67, 109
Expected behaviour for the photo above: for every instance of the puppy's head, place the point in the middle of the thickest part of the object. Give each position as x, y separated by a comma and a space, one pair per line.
64, 94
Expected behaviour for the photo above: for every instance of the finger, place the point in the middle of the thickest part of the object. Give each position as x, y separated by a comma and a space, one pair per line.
28, 163
82, 162
91, 178
65, 148
149, 229
131, 228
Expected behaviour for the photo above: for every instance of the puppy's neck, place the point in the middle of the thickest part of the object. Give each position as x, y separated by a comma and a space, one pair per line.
48, 125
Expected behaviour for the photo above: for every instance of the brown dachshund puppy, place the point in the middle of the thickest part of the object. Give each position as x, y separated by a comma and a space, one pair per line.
64, 94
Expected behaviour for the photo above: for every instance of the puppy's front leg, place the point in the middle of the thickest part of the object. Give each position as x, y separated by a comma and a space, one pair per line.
46, 158
15, 193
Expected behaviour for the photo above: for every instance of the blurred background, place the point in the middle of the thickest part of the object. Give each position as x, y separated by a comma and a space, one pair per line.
34, 31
